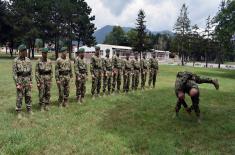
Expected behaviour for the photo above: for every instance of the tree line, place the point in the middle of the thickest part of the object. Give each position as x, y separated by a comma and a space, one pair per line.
36, 22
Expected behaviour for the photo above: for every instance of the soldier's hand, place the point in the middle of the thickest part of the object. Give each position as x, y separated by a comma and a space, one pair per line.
58, 82
38, 84
18, 86
31, 85
93, 76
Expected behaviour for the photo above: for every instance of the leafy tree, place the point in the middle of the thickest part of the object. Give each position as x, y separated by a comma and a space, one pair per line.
116, 37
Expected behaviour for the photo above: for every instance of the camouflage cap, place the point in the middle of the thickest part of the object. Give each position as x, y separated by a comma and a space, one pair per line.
63, 49
44, 50
81, 50
22, 47
107, 50
97, 48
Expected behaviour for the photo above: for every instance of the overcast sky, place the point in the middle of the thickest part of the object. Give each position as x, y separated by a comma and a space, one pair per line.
160, 14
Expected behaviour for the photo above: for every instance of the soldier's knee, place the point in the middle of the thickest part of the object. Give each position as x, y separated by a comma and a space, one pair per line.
194, 92
181, 95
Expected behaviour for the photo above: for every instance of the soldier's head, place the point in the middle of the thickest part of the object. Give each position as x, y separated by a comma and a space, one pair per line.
144, 55
44, 52
136, 55
154, 54
81, 52
63, 52
107, 53
127, 55
22, 51
97, 50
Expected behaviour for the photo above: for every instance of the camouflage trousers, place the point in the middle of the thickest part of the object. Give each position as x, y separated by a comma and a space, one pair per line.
117, 78
126, 80
96, 82
107, 81
63, 88
186, 89
152, 76
143, 78
135, 79
80, 85
25, 92
44, 92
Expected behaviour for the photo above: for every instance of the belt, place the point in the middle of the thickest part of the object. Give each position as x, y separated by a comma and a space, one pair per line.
44, 72
24, 74
64, 72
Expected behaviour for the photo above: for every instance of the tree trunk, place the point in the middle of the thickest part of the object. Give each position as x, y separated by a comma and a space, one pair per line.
6, 49
56, 48
206, 59
33, 45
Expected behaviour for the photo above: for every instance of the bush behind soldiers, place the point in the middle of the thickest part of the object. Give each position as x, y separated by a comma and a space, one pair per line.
43, 75
22, 75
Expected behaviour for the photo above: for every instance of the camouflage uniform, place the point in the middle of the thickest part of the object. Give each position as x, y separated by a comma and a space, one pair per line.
185, 81
144, 70
43, 75
80, 68
153, 68
96, 71
107, 78
63, 73
127, 72
117, 73
136, 74
22, 75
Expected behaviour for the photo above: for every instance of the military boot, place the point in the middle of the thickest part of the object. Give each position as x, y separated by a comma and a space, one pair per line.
215, 82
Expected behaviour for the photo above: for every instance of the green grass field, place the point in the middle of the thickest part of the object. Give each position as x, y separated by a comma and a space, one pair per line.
137, 123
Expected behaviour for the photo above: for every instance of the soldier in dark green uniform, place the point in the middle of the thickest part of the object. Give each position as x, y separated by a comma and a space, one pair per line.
81, 72
127, 73
153, 69
187, 82
96, 72
136, 72
43, 74
63, 75
22, 75
117, 72
143, 70
107, 70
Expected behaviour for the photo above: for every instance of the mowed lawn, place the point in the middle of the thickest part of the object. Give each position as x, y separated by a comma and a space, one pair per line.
137, 123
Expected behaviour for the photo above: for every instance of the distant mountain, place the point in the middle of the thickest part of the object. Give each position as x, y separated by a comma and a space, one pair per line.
101, 33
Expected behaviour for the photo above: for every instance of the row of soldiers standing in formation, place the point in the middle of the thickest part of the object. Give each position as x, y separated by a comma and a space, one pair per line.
110, 69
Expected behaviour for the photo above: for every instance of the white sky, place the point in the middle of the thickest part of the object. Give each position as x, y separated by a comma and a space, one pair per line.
160, 14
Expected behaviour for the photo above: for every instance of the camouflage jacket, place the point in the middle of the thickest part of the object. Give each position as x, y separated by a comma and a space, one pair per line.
80, 67
43, 69
96, 64
135, 64
143, 64
153, 63
117, 62
182, 78
127, 65
63, 67
22, 70
107, 64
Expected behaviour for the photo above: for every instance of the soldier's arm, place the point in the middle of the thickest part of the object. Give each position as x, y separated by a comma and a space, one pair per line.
76, 70
31, 71
92, 66
57, 71
71, 70
157, 65
37, 76
14, 69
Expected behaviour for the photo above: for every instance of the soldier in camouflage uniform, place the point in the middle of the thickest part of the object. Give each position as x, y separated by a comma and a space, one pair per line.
43, 75
117, 72
127, 73
63, 75
143, 70
107, 70
22, 75
187, 82
80, 68
136, 72
96, 72
153, 69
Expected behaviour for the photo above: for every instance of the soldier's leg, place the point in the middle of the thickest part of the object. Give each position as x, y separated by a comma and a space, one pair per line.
66, 91
142, 79
98, 83
77, 87
154, 78
83, 87
41, 90
133, 81
47, 94
61, 94
94, 84
109, 82
119, 80
201, 80
137, 80
28, 99
114, 82
194, 94
19, 100
150, 77
128, 81
105, 80
124, 82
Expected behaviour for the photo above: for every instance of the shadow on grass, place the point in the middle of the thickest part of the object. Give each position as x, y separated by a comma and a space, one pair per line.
148, 127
